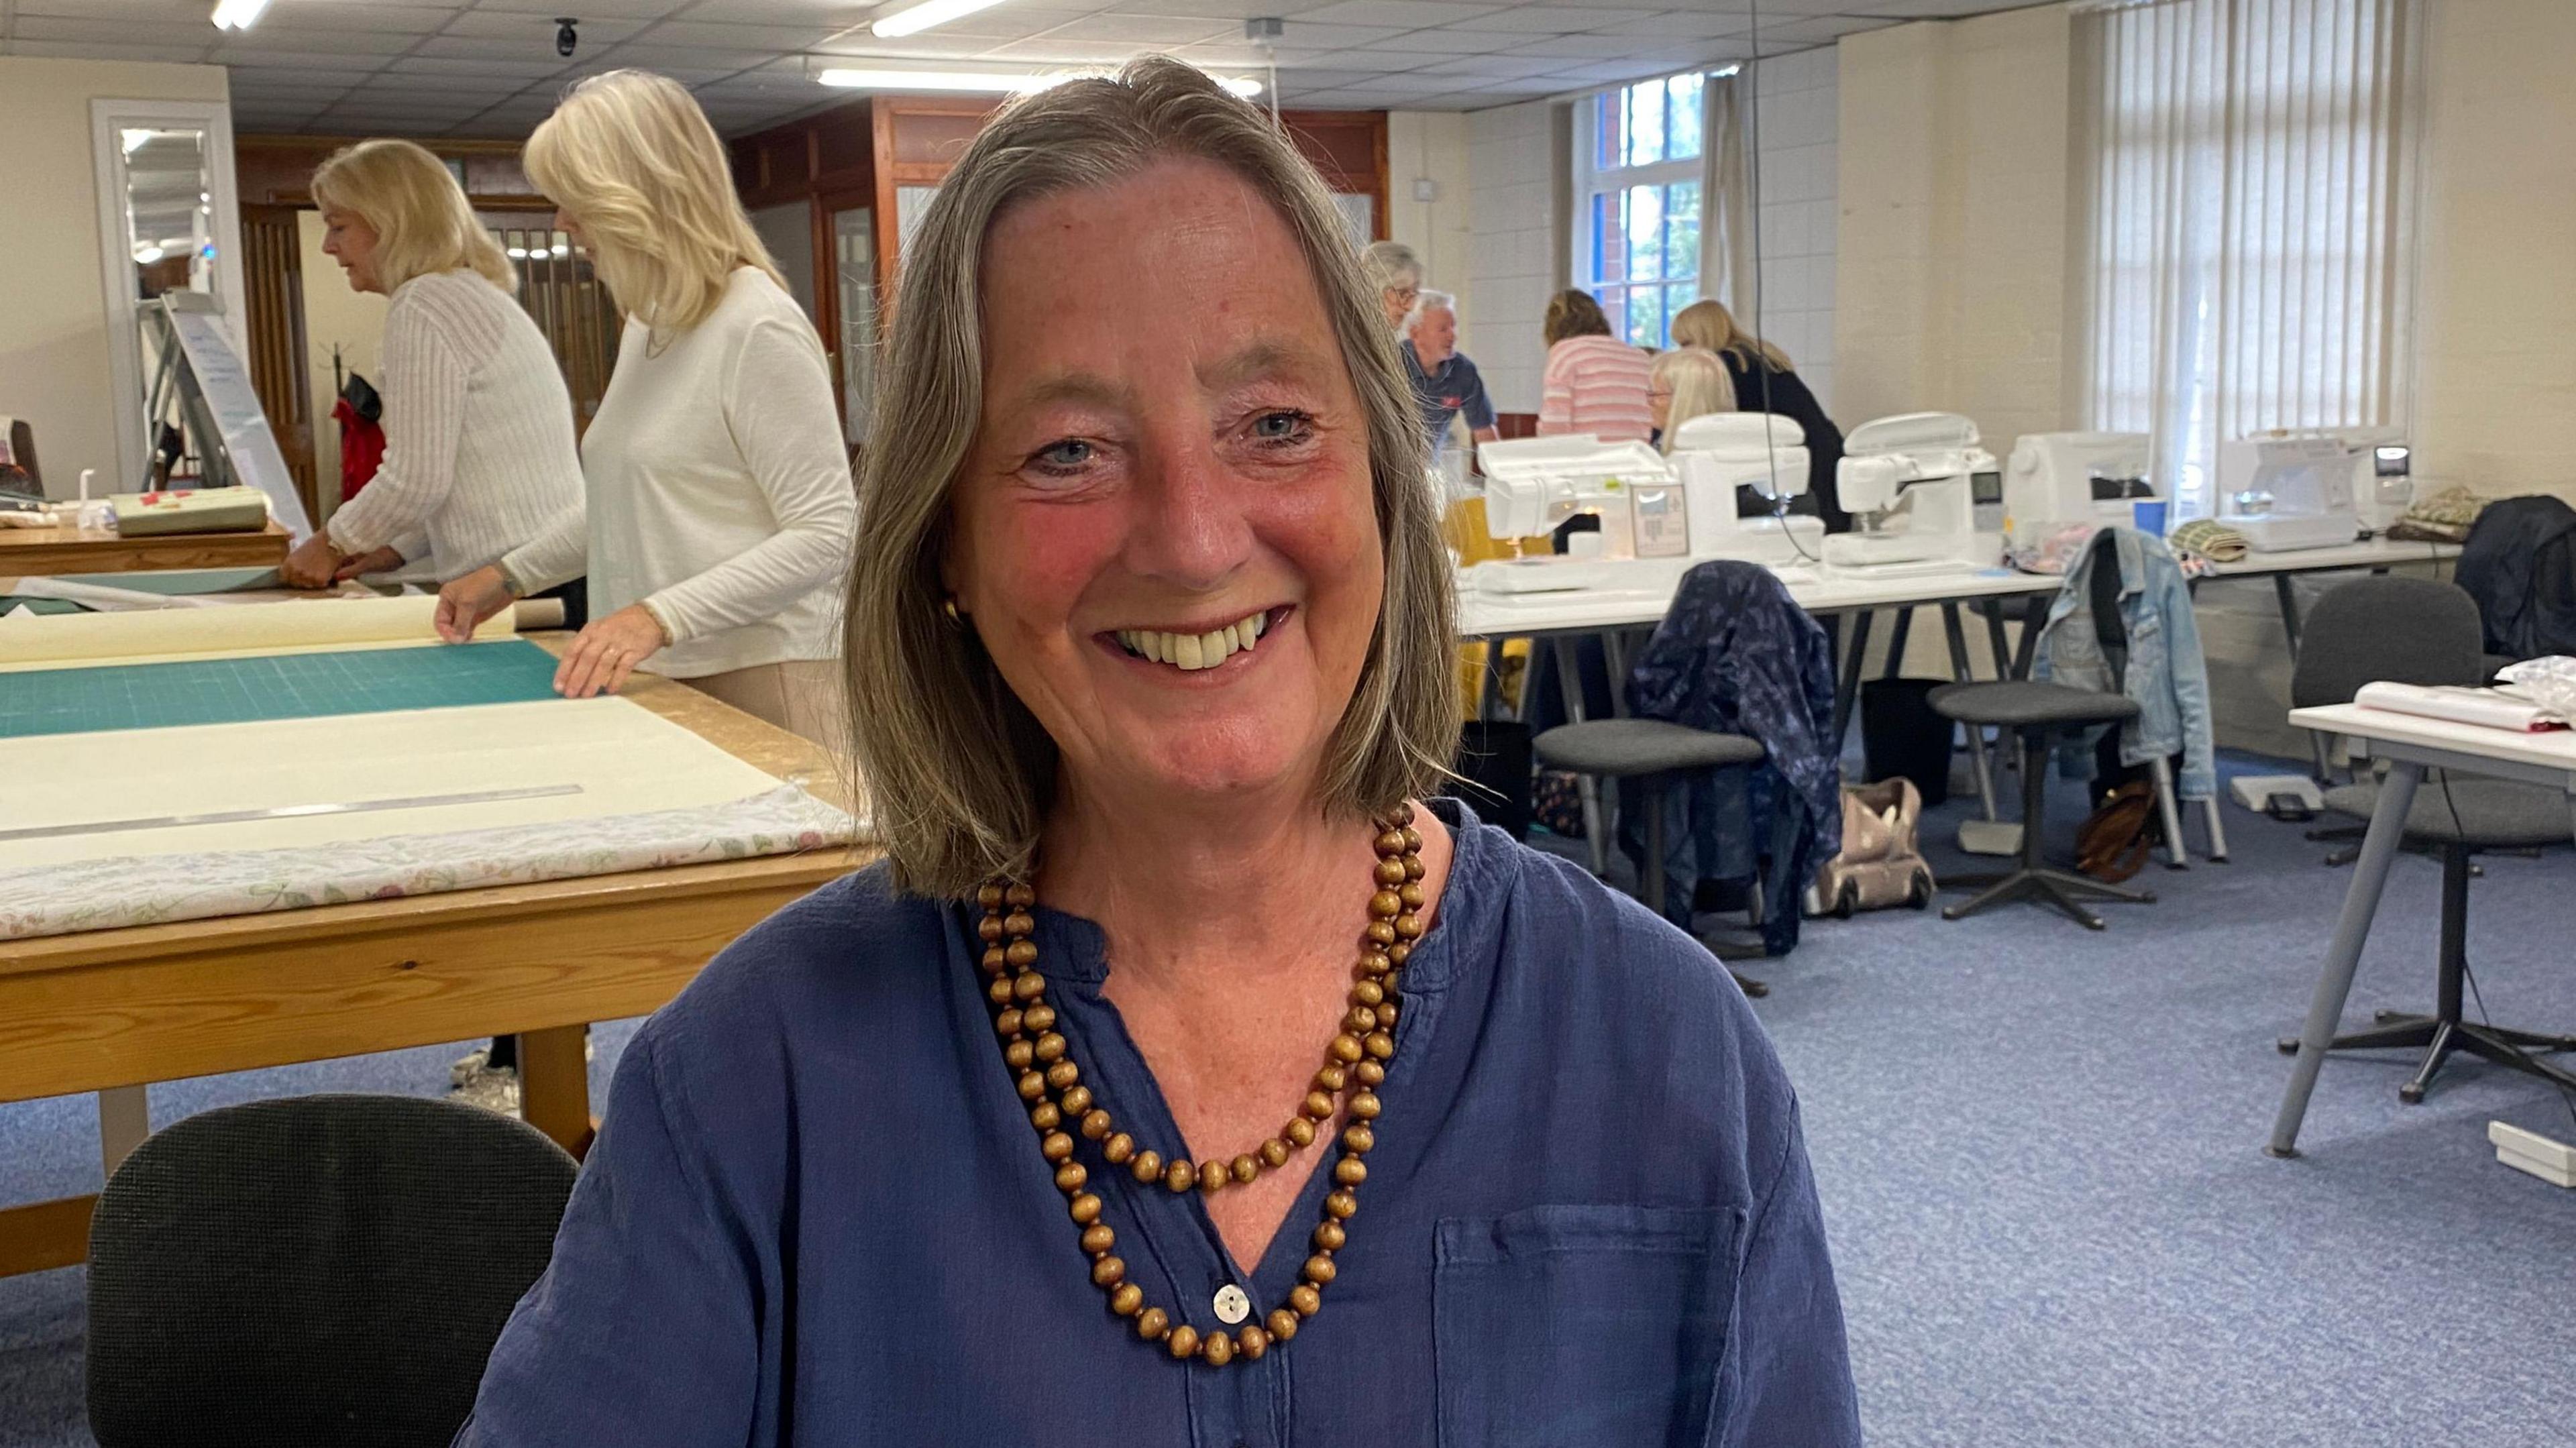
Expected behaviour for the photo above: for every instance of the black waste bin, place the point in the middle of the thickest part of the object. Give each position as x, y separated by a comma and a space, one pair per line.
1901, 734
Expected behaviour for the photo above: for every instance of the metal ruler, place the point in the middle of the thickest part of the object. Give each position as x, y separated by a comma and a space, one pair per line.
291, 811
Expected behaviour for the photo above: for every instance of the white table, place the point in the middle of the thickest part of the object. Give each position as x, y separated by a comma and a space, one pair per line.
2378, 555
2411, 745
1825, 592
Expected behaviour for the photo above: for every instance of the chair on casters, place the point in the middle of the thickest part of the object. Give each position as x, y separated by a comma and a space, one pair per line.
2035, 711
2383, 627
325, 1269
1646, 755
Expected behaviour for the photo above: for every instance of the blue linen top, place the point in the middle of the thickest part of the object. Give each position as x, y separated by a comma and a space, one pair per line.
817, 1214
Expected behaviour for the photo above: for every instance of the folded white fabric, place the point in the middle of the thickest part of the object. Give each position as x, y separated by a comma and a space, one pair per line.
109, 894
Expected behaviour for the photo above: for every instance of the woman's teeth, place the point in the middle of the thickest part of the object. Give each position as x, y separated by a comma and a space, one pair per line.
1194, 651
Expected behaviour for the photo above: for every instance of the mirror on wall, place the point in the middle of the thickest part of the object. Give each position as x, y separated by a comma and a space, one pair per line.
169, 210
167, 223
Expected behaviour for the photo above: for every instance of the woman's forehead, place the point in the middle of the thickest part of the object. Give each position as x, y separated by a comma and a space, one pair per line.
1178, 250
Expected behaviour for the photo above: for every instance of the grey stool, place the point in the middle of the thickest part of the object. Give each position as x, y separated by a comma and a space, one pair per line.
2458, 816
2035, 711
1644, 755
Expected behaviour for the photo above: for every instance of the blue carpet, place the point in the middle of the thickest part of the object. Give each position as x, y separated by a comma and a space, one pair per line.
2040, 1155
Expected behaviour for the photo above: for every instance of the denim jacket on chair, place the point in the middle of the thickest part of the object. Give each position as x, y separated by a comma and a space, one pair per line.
2166, 674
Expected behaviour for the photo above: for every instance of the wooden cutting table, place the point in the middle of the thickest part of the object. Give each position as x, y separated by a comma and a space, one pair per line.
45, 552
112, 1009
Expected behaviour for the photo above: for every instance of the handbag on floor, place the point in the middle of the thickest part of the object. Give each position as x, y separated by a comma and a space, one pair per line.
1880, 865
2113, 842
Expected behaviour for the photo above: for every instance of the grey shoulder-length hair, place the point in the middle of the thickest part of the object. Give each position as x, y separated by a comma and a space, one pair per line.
958, 773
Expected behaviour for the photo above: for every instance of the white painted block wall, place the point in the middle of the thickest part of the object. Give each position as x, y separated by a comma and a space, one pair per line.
1797, 135
1511, 256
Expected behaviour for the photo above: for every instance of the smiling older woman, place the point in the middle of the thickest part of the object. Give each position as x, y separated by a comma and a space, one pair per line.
1299, 1112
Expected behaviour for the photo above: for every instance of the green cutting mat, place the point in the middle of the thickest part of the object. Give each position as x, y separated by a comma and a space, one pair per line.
281, 686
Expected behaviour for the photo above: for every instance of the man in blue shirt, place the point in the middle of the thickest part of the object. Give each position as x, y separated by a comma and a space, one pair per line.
1445, 383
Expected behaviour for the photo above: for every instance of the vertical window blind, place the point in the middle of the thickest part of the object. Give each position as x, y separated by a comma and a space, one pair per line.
2247, 169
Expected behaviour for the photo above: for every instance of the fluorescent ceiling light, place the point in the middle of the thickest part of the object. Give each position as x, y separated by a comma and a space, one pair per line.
927, 14
238, 14
983, 82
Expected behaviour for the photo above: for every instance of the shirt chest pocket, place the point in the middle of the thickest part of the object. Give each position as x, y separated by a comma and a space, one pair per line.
1573, 1326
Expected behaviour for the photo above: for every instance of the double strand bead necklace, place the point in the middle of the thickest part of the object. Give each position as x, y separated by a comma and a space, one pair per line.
1354, 1063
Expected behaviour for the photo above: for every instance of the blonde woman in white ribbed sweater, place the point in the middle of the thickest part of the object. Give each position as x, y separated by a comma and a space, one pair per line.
721, 513
479, 454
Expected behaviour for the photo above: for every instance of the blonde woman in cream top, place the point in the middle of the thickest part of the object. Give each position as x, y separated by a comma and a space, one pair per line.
721, 510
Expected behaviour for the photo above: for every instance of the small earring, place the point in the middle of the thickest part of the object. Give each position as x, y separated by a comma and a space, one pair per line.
949, 607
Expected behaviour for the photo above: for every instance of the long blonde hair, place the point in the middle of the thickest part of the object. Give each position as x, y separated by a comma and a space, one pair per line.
423, 223
1699, 385
959, 772
632, 158
1707, 324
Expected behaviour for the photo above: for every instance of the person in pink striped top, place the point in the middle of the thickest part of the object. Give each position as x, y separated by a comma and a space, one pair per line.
1594, 382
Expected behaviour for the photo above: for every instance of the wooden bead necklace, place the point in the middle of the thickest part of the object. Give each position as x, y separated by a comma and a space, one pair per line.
1355, 1061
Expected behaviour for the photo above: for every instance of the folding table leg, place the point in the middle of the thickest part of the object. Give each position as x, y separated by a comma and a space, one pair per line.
2343, 956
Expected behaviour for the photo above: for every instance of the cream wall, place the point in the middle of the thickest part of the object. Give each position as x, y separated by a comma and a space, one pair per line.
2495, 382
1513, 248
54, 369
1950, 261
1432, 146
355, 323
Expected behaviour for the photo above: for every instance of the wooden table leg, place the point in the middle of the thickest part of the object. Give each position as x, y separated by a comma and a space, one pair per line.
554, 1084
45, 1235
124, 1119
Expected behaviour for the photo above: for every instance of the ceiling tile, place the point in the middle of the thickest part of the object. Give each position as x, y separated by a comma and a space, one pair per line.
1308, 35
781, 12
1146, 29
425, 61
1823, 30
264, 41
773, 38
1003, 22
1491, 67
1558, 19
140, 11
1570, 48
1235, 11
540, 29
1381, 61
1682, 25
355, 15
1414, 13
1452, 40
677, 58
612, 9
107, 50
260, 78
399, 79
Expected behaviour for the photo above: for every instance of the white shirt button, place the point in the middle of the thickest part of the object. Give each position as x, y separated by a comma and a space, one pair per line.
1232, 1306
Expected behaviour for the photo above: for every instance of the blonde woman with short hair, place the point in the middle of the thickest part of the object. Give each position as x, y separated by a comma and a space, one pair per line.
479, 453
1184, 1075
720, 514
1684, 383
1764, 381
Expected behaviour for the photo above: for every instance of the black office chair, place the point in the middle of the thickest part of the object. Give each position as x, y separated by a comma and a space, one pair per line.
2384, 627
2037, 711
2419, 631
321, 1270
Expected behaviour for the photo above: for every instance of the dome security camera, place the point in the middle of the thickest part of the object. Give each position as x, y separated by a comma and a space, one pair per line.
566, 37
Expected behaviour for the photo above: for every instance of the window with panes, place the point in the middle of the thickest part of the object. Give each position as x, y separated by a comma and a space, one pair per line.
1638, 204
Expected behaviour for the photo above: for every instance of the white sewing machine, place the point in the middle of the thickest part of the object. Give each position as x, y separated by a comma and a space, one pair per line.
1717, 453
1534, 485
2289, 491
1914, 482
2057, 478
